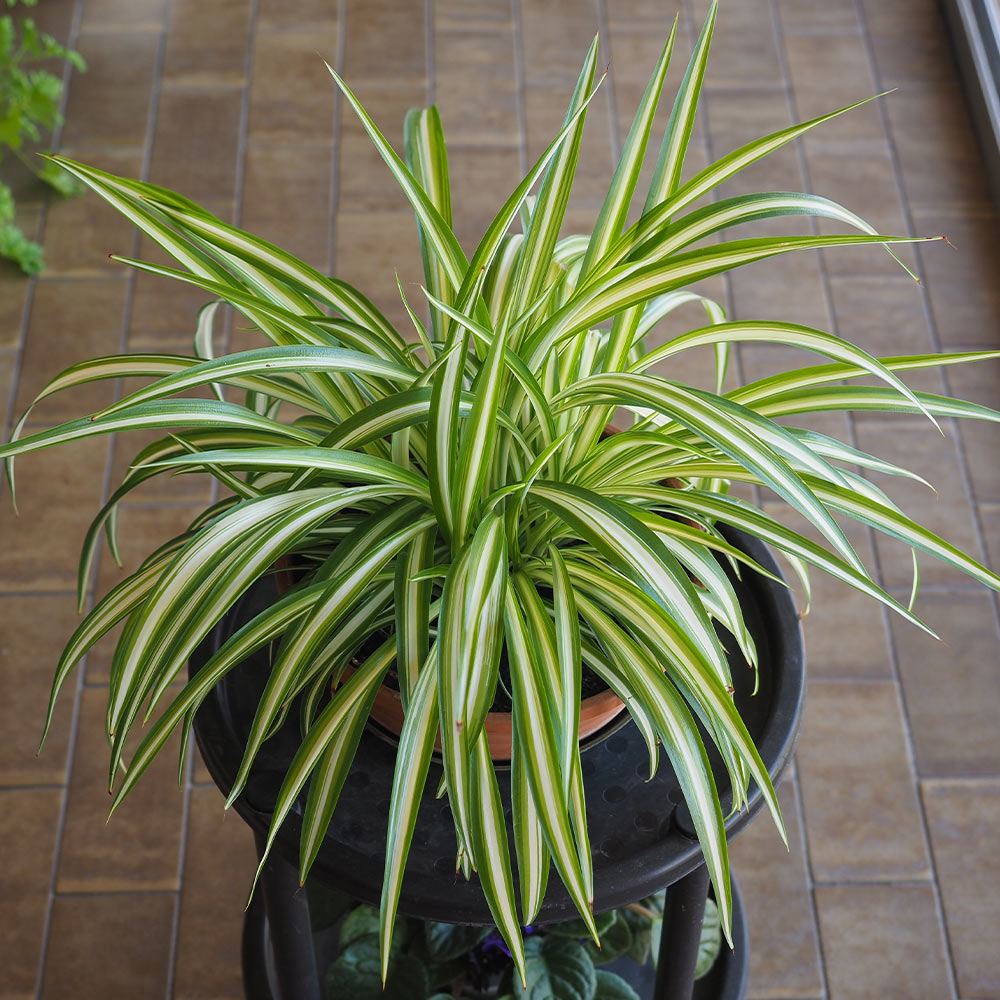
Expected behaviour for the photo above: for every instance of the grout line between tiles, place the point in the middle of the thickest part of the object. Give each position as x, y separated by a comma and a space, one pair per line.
604, 34
779, 41
872, 883
43, 949
91, 893
338, 111
522, 116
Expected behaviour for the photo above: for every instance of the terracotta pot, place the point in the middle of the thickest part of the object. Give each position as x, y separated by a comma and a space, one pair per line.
595, 713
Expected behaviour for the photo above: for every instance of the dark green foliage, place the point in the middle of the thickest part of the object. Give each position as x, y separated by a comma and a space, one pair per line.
429, 959
29, 108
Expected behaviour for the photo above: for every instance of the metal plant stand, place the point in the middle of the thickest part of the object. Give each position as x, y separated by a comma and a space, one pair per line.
640, 829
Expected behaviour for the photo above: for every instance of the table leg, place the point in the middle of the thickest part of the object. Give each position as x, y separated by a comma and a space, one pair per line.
682, 919
291, 929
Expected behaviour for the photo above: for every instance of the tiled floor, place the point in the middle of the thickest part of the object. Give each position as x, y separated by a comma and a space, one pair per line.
891, 889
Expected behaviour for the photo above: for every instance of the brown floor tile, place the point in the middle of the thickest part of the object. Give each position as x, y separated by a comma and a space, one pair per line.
476, 86
965, 298
634, 54
55, 18
802, 298
556, 35
784, 956
385, 42
452, 14
291, 91
194, 150
109, 946
937, 150
14, 288
861, 810
7, 361
915, 445
829, 72
481, 180
304, 15
141, 530
833, 604
33, 631
123, 15
989, 514
980, 383
28, 820
58, 492
364, 181
109, 103
545, 114
744, 50
71, 320
864, 182
207, 43
951, 688
286, 201
371, 249
646, 13
887, 17
963, 819
807, 18
882, 941
218, 870
161, 488
139, 848
885, 316
915, 51
80, 233
736, 117
165, 311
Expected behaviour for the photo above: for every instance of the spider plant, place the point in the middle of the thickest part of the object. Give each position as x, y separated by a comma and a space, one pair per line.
452, 499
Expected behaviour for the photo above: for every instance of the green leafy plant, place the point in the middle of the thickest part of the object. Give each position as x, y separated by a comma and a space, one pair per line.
452, 501
445, 960
29, 106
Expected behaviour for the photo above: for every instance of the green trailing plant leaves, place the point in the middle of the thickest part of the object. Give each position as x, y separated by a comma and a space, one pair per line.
360, 921
616, 940
448, 941
558, 968
711, 940
356, 973
612, 987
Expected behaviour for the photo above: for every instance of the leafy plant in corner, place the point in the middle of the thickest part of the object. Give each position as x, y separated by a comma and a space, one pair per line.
29, 106
453, 960
451, 501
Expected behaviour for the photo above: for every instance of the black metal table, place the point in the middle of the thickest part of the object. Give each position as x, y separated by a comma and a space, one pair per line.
640, 829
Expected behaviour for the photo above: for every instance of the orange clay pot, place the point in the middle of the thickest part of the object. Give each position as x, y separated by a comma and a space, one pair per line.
595, 713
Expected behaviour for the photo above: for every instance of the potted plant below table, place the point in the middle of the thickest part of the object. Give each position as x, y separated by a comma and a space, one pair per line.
455, 513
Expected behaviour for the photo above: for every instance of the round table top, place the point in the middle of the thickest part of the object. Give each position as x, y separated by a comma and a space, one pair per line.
639, 828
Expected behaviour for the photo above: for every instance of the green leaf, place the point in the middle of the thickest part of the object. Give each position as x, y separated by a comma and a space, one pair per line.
608, 986
538, 748
355, 973
447, 941
361, 921
710, 942
469, 662
416, 742
557, 969
616, 940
